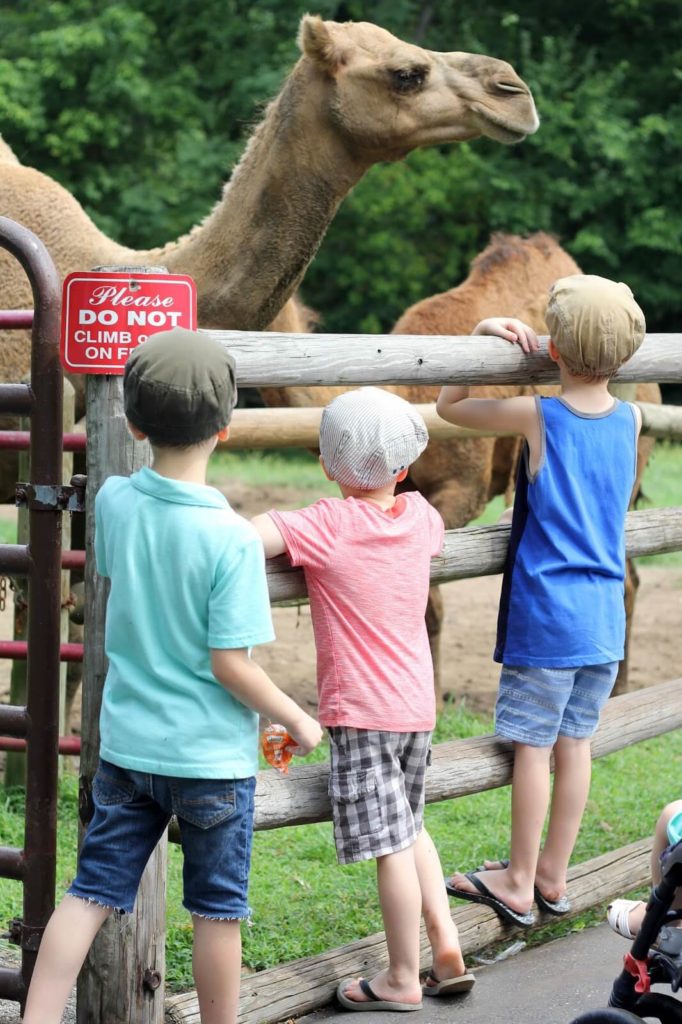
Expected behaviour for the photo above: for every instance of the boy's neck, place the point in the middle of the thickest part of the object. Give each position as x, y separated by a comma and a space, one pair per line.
187, 465
384, 496
591, 396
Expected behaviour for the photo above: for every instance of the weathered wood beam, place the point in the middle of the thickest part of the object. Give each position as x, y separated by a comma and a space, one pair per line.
304, 360
481, 550
299, 426
301, 986
462, 767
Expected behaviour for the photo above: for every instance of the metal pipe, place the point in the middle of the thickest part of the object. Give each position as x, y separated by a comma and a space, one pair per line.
70, 745
14, 720
15, 560
12, 860
17, 649
44, 589
15, 318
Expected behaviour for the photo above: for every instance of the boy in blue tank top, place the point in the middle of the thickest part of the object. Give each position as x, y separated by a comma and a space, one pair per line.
180, 706
561, 624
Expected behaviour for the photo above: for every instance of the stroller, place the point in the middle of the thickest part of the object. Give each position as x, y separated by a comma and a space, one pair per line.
655, 957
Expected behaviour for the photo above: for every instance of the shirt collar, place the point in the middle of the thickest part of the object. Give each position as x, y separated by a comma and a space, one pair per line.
166, 489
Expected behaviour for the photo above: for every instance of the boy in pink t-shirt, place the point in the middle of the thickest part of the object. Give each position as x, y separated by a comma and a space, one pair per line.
366, 559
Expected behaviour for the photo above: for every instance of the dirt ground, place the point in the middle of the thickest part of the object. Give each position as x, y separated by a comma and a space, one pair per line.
468, 672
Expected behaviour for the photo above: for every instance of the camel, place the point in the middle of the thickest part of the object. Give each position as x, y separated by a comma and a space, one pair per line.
357, 96
511, 277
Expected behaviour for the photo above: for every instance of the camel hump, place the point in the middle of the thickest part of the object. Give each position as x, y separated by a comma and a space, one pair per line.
6, 153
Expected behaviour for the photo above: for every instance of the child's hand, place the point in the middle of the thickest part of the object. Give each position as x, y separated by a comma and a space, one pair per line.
512, 330
306, 732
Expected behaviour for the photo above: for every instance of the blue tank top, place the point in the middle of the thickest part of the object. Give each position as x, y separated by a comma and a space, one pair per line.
562, 602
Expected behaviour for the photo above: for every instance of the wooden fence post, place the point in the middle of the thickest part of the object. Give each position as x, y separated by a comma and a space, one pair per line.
122, 978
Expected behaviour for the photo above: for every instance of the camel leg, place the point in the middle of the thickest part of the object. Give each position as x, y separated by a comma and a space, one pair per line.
434, 622
631, 585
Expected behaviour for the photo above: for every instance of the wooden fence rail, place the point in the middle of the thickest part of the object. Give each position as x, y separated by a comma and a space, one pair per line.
299, 427
462, 767
303, 360
481, 551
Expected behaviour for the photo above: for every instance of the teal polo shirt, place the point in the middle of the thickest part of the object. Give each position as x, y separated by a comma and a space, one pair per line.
187, 575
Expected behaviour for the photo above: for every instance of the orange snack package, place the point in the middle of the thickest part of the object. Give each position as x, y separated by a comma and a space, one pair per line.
276, 745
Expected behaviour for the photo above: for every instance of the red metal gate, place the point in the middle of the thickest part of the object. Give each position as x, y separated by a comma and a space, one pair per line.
40, 561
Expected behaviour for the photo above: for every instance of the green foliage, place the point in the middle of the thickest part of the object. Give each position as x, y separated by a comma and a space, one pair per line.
141, 109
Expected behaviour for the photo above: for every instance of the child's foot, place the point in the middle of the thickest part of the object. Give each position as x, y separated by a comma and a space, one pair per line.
503, 896
549, 895
499, 884
359, 991
626, 916
447, 975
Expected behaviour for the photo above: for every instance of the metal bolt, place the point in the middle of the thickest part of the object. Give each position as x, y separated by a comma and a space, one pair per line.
151, 979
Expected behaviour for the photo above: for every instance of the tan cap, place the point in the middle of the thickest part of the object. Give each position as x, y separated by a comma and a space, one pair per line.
595, 323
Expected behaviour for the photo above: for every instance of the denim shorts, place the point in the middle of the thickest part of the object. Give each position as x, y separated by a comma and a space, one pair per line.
132, 810
376, 786
536, 705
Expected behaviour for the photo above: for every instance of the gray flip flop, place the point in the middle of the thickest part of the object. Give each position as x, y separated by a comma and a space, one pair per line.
373, 1001
450, 986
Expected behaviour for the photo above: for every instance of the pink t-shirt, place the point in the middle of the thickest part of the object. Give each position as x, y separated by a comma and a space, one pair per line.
367, 573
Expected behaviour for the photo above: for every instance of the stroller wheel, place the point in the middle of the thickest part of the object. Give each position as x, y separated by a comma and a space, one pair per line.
609, 1015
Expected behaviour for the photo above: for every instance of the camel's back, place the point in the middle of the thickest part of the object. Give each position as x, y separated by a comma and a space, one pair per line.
511, 277
51, 213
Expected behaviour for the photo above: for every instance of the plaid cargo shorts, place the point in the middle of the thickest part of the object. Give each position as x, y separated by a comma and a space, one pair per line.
376, 786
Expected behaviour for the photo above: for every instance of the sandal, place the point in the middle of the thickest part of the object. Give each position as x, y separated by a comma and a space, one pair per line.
618, 916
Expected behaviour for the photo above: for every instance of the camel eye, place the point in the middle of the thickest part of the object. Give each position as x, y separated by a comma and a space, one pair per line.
406, 80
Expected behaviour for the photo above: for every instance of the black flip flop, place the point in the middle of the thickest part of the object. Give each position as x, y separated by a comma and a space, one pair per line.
484, 896
557, 907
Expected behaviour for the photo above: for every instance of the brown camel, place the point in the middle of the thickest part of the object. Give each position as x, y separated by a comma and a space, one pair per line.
511, 277
356, 97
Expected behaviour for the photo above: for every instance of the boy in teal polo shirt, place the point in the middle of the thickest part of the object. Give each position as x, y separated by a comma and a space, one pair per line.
180, 706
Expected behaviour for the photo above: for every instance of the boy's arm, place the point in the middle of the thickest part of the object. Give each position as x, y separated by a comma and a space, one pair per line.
512, 415
252, 686
273, 541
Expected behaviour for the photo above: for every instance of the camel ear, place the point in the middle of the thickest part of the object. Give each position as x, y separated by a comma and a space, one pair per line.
316, 41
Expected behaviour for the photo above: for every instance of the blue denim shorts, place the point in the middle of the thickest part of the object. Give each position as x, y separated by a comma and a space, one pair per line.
132, 811
536, 705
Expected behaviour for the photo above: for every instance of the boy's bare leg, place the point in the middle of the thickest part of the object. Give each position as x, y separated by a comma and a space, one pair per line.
530, 800
401, 903
447, 960
572, 774
68, 936
216, 965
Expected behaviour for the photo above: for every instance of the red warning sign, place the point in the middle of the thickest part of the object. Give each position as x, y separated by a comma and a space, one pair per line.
106, 315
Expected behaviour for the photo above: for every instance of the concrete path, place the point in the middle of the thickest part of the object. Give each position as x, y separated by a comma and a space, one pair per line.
550, 984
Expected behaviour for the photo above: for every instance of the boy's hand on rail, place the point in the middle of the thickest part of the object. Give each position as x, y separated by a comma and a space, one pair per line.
510, 329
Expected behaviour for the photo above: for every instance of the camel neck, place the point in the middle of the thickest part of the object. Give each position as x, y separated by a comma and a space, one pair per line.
275, 210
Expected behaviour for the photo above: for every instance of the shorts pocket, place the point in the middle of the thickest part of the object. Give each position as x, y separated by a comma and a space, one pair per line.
205, 803
112, 785
356, 799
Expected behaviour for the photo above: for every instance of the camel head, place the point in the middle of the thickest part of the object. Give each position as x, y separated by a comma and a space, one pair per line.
390, 97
